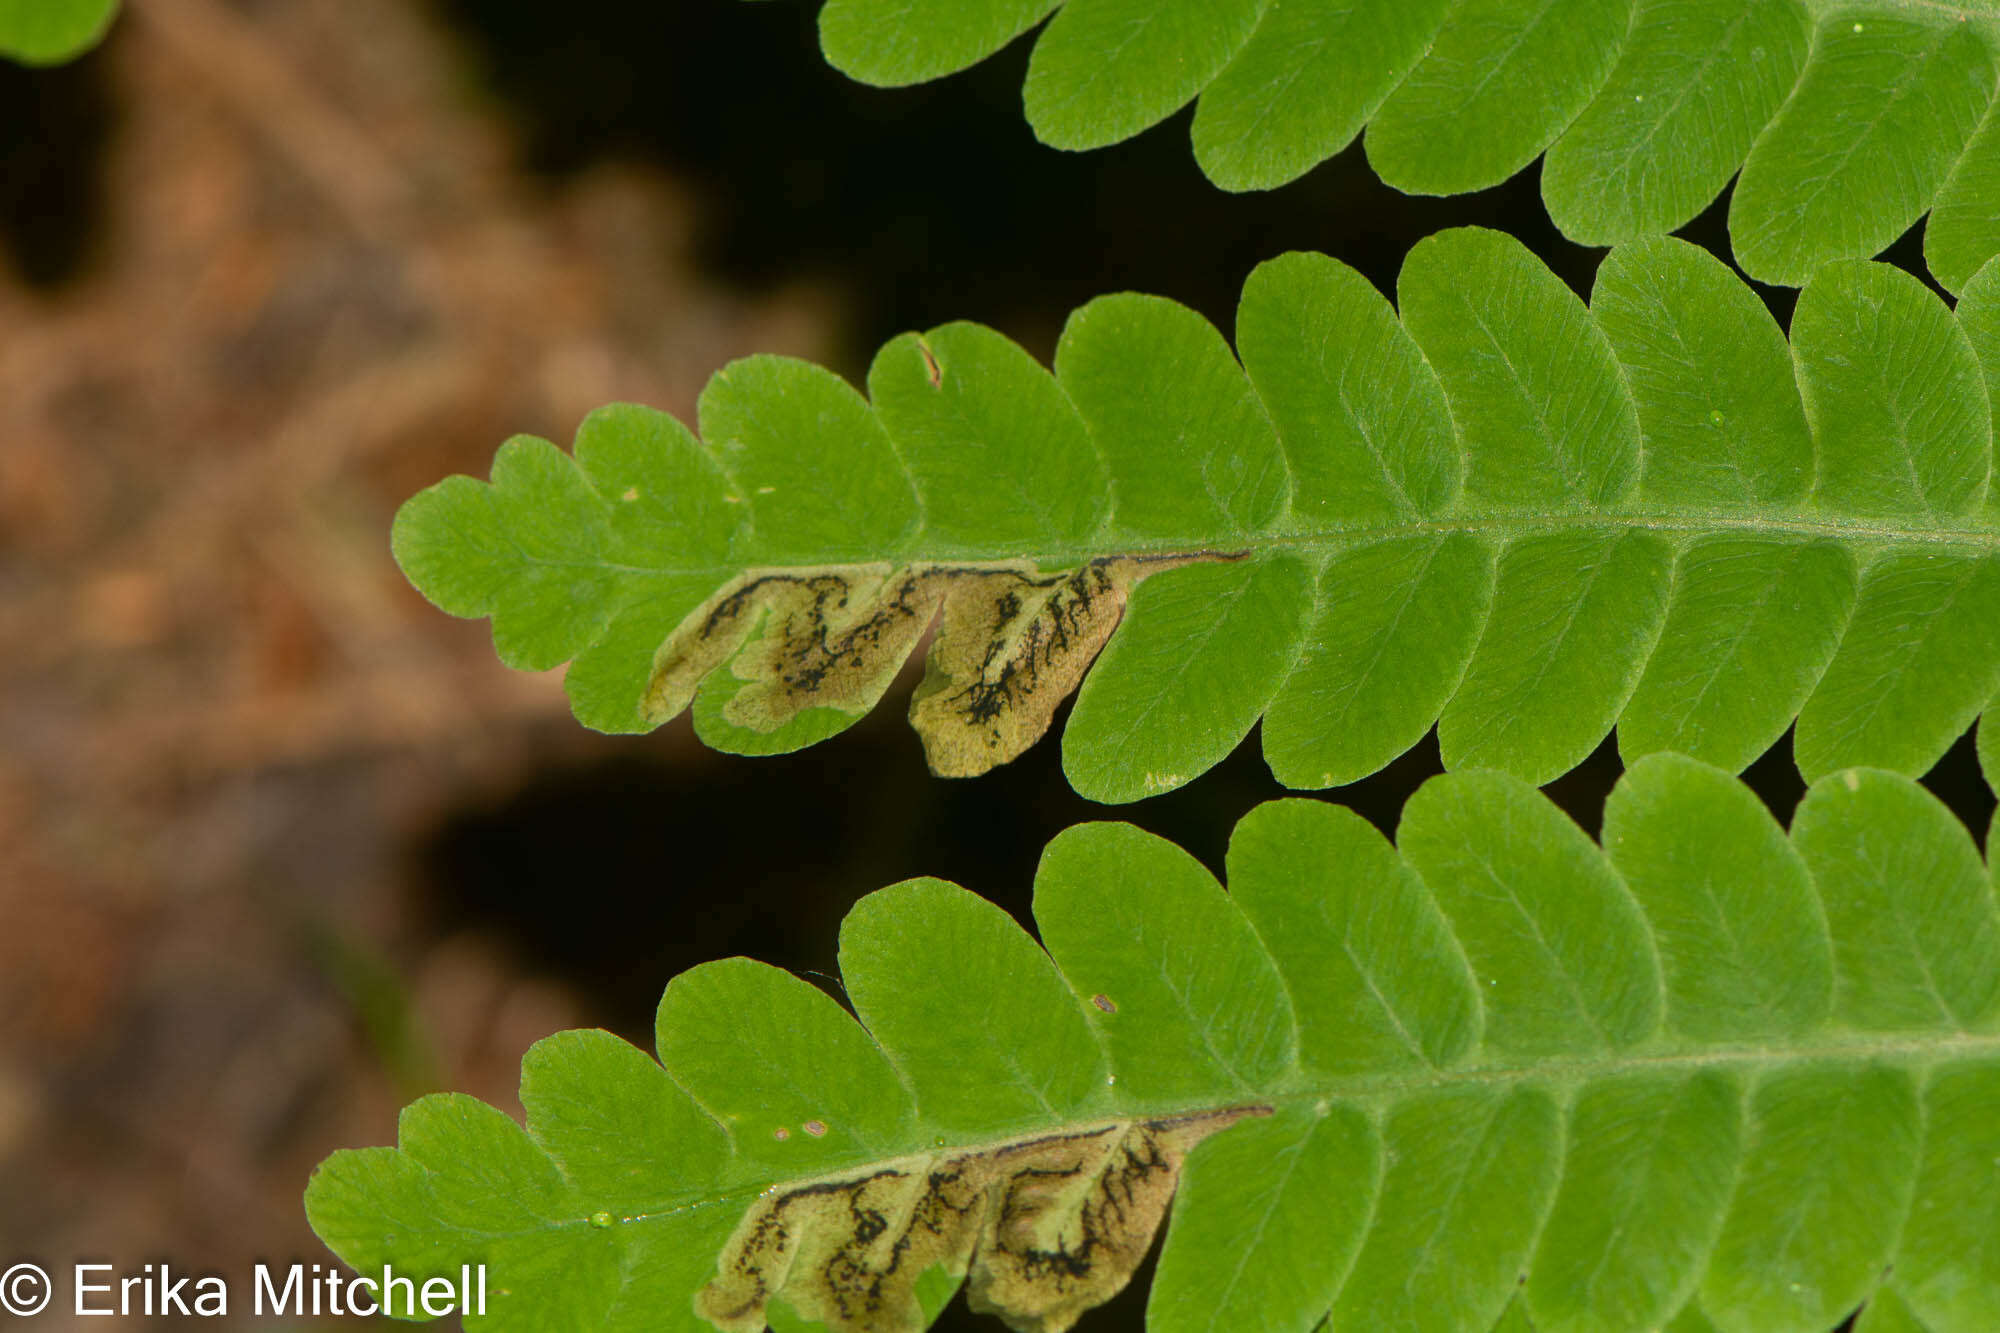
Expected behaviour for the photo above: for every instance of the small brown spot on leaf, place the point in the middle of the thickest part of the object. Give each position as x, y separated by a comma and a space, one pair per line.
1043, 1229
816, 1128
631, 494
781, 1133
931, 364
1104, 1002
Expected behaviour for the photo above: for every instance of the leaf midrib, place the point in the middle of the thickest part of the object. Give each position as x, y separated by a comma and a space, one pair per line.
1374, 1090
1505, 56
1912, 76
1713, 53
1744, 631
1507, 524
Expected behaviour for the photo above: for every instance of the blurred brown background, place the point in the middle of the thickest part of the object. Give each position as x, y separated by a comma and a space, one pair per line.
281, 846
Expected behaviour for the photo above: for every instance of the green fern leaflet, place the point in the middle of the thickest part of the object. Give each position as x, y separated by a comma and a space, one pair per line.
1849, 119
48, 32
1709, 1074
1504, 513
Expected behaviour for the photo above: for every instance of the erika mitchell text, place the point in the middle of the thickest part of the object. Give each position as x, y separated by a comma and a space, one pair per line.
295, 1290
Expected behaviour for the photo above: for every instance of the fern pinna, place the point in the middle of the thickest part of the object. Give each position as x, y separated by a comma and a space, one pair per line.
1848, 119
1502, 512
1709, 1074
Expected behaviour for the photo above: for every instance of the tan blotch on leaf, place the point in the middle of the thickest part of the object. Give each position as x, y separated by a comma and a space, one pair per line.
1042, 1230
1011, 646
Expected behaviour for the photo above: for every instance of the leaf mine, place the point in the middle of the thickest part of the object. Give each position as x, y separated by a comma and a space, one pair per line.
1011, 647
825, 638
1042, 1230
1012, 644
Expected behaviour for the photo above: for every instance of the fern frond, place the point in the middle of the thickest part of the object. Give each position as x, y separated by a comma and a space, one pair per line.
1505, 513
1849, 119
1708, 1077
48, 32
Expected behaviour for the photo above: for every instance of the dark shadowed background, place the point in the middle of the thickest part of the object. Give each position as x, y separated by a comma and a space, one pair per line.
281, 846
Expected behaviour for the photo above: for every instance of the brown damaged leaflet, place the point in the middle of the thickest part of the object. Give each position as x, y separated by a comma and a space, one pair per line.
1042, 1229
1012, 644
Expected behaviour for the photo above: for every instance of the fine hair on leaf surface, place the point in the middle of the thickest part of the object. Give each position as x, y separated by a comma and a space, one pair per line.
1848, 120
1709, 1076
1490, 508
